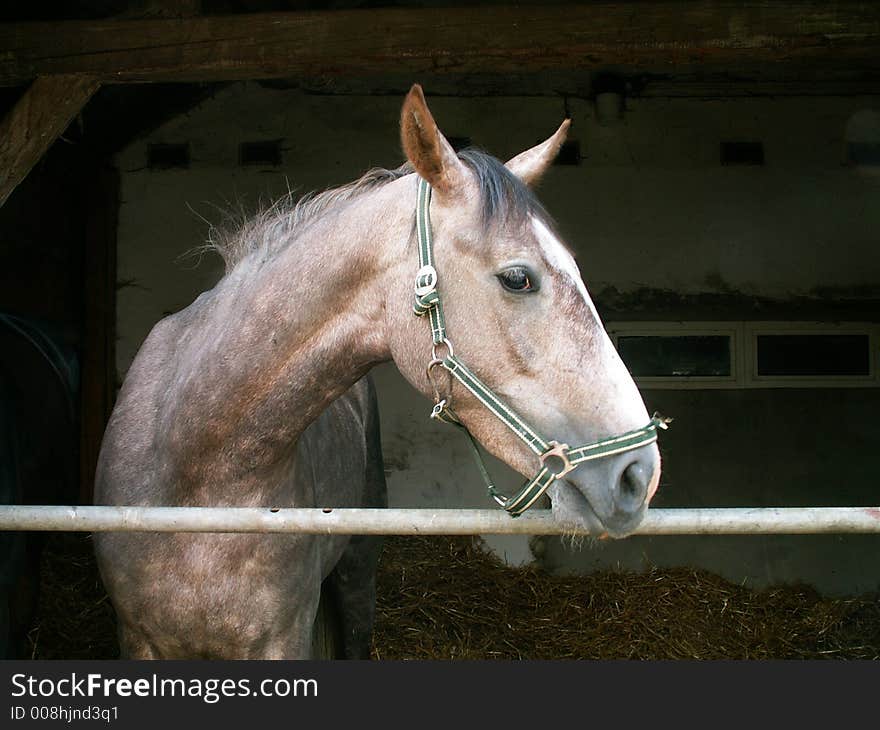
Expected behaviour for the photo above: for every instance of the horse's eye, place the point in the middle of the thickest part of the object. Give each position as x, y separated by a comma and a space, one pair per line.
517, 279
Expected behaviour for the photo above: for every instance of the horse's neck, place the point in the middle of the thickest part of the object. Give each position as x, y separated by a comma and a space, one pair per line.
277, 341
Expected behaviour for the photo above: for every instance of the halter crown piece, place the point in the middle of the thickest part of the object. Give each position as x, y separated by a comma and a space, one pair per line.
556, 459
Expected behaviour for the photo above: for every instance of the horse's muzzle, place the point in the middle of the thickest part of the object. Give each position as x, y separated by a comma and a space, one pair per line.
636, 475
611, 496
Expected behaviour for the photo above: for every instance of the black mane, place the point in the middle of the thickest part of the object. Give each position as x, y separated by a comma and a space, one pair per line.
503, 196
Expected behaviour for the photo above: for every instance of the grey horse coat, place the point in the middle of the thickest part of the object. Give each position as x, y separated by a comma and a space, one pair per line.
249, 595
249, 397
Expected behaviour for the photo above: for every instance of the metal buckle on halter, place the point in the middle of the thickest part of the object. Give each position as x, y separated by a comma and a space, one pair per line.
438, 408
438, 399
561, 452
429, 274
449, 351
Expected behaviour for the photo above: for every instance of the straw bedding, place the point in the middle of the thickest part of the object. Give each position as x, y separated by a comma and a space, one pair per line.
449, 598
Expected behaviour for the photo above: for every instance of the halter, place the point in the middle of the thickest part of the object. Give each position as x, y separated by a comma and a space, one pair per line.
556, 459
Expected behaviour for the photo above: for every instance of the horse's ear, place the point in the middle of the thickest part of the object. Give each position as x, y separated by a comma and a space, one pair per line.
426, 148
530, 165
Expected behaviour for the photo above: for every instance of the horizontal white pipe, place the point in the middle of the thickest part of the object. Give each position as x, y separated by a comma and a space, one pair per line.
726, 521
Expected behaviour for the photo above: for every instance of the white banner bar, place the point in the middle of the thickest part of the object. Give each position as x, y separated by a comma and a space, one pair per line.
725, 521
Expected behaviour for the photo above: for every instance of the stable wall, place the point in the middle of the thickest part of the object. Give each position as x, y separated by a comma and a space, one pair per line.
661, 230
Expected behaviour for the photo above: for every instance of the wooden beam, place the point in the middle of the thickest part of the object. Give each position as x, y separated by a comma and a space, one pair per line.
161, 9
98, 348
36, 121
653, 35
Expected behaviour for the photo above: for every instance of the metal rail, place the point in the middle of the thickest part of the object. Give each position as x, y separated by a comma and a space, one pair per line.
723, 521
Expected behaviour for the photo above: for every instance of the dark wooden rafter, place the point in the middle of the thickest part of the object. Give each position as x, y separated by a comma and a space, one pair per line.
98, 349
162, 9
36, 121
660, 35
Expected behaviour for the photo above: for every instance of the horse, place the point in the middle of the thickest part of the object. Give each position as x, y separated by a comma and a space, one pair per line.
39, 384
255, 394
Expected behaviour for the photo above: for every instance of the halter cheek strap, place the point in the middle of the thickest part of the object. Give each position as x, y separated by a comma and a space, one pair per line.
556, 459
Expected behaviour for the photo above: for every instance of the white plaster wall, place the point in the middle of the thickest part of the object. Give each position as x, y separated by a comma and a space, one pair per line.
650, 206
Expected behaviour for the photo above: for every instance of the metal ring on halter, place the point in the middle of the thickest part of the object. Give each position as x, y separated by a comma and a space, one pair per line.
450, 352
429, 273
560, 451
430, 373
438, 408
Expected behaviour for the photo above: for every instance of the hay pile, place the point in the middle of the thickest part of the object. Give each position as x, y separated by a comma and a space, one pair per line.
448, 598
75, 619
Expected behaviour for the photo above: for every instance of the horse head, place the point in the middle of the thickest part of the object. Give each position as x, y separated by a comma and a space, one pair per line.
519, 314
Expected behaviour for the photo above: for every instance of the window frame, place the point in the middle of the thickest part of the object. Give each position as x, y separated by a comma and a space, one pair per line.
744, 352
616, 330
754, 329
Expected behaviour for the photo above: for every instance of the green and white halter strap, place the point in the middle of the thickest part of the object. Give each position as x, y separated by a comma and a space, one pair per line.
556, 459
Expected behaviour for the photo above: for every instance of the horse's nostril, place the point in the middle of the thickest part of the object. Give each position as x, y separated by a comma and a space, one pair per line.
633, 487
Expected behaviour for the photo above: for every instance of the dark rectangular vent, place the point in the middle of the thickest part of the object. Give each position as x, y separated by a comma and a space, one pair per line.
569, 153
815, 355
864, 153
459, 143
266, 153
168, 156
742, 153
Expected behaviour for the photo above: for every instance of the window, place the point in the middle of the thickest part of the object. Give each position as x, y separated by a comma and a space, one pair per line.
168, 156
865, 154
658, 356
795, 354
742, 153
749, 354
862, 135
266, 153
673, 354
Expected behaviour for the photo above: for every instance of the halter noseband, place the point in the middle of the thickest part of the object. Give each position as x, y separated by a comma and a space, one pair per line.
557, 459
